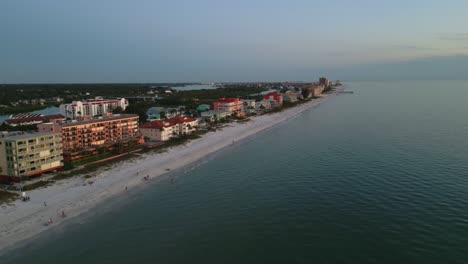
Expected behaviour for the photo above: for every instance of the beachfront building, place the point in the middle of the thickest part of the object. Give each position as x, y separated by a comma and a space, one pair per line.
315, 90
163, 130
263, 106
79, 136
248, 106
324, 81
214, 115
290, 96
92, 107
34, 119
275, 98
28, 154
230, 105
159, 130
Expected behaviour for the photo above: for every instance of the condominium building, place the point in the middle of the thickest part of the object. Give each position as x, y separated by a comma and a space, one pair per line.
102, 131
163, 130
230, 105
248, 106
290, 96
29, 154
315, 89
92, 107
324, 81
275, 98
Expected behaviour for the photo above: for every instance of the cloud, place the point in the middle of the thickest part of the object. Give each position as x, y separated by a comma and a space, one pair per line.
411, 47
454, 37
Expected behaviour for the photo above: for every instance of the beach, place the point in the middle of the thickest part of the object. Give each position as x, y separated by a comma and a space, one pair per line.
75, 196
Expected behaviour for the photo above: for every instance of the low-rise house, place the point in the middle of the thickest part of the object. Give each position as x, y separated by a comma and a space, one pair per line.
165, 129
156, 113
263, 106
203, 107
214, 115
249, 106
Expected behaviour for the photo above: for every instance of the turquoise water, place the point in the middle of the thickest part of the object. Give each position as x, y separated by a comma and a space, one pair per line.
380, 176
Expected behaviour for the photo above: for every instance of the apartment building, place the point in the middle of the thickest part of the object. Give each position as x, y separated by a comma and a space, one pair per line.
230, 105
163, 130
29, 154
102, 131
92, 107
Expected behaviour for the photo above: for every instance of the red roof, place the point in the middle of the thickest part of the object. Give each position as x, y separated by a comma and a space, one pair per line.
33, 119
158, 124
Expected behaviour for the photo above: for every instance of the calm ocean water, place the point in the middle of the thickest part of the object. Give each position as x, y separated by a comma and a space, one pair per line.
380, 176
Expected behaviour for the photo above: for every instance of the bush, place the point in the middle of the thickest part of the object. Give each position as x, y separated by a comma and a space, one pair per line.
6, 197
36, 185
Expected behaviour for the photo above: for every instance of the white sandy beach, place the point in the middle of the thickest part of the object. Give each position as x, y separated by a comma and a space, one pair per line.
27, 219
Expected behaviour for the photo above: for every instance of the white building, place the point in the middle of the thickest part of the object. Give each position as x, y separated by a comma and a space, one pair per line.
262, 106
92, 107
249, 106
213, 115
163, 130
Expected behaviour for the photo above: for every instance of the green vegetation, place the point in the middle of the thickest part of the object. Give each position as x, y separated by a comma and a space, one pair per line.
23, 108
38, 184
7, 197
86, 169
91, 159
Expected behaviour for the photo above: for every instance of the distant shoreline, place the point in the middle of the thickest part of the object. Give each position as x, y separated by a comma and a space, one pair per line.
75, 197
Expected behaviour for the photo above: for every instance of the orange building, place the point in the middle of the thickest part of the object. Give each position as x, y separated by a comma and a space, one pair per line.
78, 136
230, 105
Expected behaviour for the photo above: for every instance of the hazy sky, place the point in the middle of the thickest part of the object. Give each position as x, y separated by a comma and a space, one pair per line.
216, 40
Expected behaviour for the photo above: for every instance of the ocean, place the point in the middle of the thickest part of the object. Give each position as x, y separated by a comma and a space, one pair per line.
378, 176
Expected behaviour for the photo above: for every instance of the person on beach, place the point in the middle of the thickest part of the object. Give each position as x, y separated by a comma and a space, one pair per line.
45, 204
126, 188
63, 213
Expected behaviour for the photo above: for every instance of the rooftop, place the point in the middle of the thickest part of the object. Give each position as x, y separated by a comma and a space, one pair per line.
103, 119
19, 135
40, 118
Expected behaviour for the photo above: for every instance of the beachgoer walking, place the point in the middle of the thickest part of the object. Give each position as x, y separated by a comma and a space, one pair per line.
45, 204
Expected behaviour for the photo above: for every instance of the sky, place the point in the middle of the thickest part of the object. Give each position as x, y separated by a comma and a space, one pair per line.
65, 41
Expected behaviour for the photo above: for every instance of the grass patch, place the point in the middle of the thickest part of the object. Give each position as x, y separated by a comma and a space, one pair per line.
87, 169
38, 184
7, 197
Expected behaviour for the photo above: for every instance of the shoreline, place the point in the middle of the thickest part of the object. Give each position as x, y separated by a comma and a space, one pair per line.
27, 220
